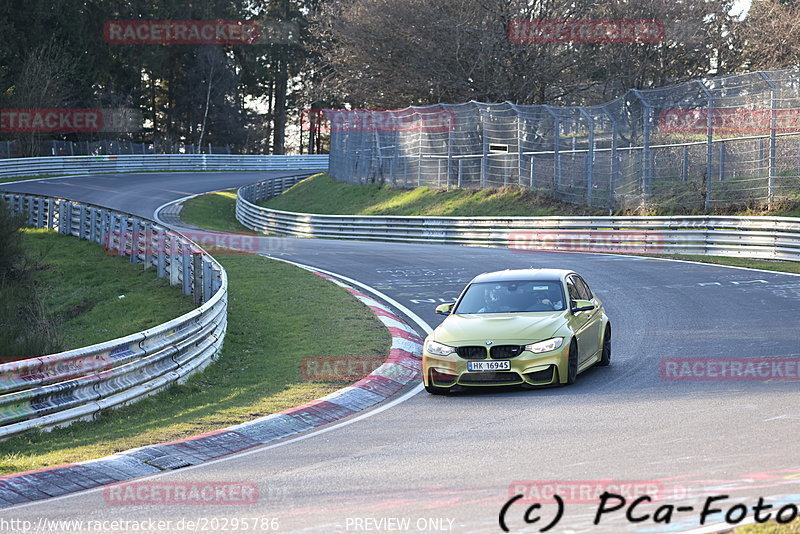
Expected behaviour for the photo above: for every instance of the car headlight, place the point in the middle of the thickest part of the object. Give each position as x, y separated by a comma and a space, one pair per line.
545, 346
438, 349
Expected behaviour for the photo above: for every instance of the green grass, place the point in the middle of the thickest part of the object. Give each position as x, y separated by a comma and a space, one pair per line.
214, 211
277, 315
321, 194
80, 287
750, 263
769, 528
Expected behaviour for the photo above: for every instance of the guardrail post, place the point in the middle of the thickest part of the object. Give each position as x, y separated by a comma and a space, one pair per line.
186, 269
123, 234
51, 213
161, 253
148, 245
174, 261
63, 219
30, 220
135, 235
82, 221
197, 278
40, 212
208, 279
93, 224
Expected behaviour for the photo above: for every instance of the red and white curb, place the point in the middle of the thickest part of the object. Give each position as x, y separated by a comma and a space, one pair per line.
400, 368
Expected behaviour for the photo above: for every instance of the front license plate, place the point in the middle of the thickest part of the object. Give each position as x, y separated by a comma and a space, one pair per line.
494, 365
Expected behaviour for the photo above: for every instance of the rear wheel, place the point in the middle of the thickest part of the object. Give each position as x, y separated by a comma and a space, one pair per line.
572, 363
605, 357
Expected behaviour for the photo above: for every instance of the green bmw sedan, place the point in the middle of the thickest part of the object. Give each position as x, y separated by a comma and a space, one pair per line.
529, 326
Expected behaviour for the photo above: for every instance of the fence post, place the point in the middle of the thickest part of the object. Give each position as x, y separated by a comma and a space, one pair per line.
612, 180
520, 155
685, 166
709, 142
772, 139
485, 142
556, 147
589, 156
721, 161
449, 151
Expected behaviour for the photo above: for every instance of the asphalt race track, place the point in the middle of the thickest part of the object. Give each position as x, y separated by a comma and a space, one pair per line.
449, 464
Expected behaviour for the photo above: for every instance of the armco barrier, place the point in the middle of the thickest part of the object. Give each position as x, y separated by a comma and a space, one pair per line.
776, 238
61, 388
64, 165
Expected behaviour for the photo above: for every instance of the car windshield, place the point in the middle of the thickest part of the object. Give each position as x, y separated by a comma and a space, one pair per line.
512, 296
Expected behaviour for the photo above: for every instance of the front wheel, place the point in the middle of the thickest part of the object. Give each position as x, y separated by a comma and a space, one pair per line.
605, 356
572, 363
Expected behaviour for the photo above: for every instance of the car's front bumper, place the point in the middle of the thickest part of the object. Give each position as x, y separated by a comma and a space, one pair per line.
527, 368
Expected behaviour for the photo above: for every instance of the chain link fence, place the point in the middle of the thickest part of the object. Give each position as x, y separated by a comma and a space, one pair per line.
722, 141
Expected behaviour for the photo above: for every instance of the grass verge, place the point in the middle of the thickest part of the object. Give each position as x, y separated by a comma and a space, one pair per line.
769, 528
750, 263
322, 194
91, 296
277, 315
214, 211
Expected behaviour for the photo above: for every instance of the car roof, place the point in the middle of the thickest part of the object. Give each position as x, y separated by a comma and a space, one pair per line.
522, 274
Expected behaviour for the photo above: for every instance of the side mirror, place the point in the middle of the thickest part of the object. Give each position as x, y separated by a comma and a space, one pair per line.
444, 309
581, 305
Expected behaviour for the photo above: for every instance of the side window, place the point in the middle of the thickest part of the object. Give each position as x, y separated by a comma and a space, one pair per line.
583, 288
573, 291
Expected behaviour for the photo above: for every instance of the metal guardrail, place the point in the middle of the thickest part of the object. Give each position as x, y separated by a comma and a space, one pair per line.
63, 165
776, 238
58, 389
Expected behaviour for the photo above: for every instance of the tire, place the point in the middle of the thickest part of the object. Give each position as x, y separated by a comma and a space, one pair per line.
605, 357
433, 390
572, 363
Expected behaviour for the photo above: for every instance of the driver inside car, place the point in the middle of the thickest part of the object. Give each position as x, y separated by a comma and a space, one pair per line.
491, 299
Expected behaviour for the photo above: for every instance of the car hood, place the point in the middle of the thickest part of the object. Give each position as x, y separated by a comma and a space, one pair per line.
512, 328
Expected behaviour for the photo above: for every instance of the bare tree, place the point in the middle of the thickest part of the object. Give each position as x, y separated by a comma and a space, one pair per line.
385, 53
772, 34
45, 81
